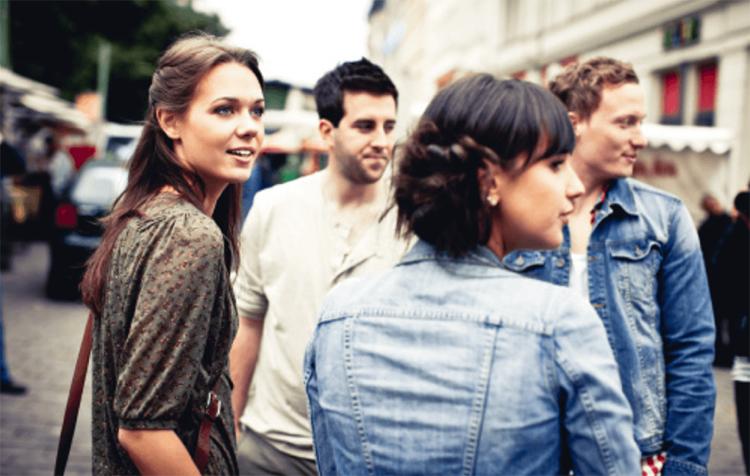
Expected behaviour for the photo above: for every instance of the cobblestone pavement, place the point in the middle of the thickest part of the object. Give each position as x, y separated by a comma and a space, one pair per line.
42, 342
42, 339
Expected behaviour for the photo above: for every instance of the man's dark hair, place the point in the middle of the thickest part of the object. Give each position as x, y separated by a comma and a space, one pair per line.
353, 76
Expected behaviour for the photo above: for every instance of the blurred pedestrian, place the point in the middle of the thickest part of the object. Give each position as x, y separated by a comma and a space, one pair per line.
449, 363
12, 164
732, 261
61, 168
37, 181
633, 252
12, 161
710, 232
159, 283
712, 227
12, 170
301, 238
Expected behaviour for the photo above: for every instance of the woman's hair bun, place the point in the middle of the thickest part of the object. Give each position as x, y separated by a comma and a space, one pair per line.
436, 188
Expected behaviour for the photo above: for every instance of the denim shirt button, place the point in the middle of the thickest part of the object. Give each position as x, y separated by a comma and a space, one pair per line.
519, 261
560, 262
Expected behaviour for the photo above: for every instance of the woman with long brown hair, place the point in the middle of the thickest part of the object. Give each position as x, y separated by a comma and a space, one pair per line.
159, 283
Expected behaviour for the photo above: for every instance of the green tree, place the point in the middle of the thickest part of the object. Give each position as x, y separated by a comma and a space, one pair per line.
57, 43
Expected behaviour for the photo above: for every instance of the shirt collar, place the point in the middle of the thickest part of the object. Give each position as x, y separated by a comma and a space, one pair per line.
620, 194
424, 251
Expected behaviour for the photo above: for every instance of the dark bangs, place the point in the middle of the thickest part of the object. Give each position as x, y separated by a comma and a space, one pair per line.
510, 117
561, 138
542, 120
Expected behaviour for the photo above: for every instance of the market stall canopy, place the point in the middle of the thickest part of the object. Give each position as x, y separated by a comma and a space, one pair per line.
57, 108
42, 100
688, 162
696, 138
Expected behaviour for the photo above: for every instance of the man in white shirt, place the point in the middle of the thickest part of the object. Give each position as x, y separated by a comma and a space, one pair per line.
299, 240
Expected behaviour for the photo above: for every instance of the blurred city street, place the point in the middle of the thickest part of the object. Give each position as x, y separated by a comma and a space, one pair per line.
42, 342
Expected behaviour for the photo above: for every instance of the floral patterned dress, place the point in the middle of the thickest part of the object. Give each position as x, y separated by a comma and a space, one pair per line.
164, 339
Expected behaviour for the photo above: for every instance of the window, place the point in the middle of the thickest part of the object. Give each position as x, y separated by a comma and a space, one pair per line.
688, 93
671, 94
706, 94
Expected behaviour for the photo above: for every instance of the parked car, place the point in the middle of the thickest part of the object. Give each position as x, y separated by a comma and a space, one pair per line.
119, 141
77, 227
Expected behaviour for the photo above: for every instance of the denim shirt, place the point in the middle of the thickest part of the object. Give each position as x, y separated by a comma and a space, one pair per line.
647, 282
442, 366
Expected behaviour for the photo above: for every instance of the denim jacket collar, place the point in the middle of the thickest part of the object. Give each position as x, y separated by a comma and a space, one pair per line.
620, 195
423, 250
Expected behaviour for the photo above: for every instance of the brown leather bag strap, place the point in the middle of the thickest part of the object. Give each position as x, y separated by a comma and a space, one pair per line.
74, 400
202, 450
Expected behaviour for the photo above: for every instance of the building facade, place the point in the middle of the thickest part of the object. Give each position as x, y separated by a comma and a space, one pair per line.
692, 57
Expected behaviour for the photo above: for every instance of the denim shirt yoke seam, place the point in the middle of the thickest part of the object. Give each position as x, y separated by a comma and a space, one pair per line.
493, 319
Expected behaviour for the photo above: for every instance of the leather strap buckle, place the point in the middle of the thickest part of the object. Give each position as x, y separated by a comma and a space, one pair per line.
213, 406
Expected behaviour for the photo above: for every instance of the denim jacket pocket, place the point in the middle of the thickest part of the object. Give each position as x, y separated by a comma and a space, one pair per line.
633, 265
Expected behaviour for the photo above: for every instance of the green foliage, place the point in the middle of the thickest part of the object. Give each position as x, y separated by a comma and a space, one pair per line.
57, 43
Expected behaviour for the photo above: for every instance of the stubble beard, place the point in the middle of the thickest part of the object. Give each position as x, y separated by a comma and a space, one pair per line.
355, 172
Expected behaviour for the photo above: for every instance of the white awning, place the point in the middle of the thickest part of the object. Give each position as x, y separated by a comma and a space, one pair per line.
696, 138
42, 99
57, 108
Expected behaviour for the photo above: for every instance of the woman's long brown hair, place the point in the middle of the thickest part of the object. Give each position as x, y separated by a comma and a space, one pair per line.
154, 164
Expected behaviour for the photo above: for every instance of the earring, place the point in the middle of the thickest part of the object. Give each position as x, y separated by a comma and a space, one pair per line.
492, 201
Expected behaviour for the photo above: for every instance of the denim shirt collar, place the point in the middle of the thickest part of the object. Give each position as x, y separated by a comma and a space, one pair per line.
620, 195
422, 251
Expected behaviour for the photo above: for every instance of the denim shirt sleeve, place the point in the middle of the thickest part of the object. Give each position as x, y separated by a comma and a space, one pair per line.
688, 336
597, 416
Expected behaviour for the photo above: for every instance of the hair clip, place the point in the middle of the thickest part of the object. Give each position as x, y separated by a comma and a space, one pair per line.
438, 151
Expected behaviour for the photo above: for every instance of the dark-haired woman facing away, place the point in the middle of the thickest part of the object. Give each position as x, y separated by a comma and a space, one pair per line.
159, 283
448, 363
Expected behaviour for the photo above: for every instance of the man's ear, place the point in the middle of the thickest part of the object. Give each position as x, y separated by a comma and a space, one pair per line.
169, 123
326, 129
575, 118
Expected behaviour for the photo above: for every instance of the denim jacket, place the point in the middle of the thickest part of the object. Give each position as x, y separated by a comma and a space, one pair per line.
647, 282
442, 366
